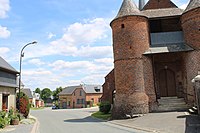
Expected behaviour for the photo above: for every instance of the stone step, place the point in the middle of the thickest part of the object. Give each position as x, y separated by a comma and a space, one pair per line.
172, 104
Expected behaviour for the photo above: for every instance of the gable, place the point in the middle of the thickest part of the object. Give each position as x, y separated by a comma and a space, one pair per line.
158, 4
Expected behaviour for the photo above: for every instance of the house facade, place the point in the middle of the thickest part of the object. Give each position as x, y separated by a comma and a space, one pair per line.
93, 94
79, 96
156, 55
72, 97
8, 85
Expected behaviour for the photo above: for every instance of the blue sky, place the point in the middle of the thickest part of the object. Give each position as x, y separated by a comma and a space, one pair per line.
74, 39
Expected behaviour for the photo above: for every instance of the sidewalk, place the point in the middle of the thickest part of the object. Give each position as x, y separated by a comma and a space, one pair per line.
166, 122
28, 126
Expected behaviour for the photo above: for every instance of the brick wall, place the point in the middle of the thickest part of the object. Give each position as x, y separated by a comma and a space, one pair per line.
109, 87
130, 41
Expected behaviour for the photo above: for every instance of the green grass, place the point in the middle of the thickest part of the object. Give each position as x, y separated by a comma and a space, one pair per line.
101, 115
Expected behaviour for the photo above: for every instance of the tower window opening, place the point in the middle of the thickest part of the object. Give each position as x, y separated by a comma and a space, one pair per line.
122, 26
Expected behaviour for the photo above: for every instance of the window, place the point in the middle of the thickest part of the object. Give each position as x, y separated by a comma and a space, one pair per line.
78, 101
122, 26
83, 101
80, 92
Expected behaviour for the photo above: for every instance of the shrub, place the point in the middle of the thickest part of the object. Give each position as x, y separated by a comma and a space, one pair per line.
24, 104
2, 122
3, 114
105, 107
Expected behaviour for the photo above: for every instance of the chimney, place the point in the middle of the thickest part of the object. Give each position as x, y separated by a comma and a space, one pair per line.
141, 4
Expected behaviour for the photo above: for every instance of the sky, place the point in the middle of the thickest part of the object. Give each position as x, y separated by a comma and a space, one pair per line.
74, 40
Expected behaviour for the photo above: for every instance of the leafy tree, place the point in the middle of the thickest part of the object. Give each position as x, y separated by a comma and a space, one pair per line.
56, 92
37, 90
45, 94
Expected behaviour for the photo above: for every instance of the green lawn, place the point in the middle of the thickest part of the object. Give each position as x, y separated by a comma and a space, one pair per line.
101, 115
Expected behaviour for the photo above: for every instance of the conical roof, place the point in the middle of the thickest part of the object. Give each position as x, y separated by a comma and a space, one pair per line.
128, 8
192, 5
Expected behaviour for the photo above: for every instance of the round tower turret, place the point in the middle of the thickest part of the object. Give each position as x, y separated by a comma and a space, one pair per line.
130, 41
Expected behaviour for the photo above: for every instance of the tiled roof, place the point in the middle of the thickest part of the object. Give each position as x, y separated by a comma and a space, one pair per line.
164, 12
6, 66
92, 88
69, 90
192, 5
128, 8
180, 47
27, 92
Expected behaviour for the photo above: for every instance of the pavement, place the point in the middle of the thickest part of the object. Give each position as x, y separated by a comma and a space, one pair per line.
165, 122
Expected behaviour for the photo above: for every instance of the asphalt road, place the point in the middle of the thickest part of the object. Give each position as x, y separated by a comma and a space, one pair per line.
75, 121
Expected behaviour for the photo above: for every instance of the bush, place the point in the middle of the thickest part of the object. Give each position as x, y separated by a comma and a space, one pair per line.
105, 107
24, 104
2, 122
3, 114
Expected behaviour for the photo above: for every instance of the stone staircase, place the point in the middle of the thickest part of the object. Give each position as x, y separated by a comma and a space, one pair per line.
172, 104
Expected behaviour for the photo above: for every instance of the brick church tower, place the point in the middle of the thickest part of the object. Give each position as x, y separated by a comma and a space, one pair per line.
191, 28
156, 55
130, 41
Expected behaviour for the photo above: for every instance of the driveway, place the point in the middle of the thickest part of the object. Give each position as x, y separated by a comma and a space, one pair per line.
75, 121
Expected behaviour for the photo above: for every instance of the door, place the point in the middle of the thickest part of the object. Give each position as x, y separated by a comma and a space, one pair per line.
5, 102
167, 83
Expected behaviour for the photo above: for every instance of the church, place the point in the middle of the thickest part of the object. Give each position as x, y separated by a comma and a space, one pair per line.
156, 51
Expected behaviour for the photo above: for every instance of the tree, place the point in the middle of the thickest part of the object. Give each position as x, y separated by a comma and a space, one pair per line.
37, 90
56, 92
45, 94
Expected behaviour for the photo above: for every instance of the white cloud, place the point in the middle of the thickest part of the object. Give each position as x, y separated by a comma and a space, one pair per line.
4, 51
51, 35
183, 6
4, 8
37, 62
78, 41
37, 72
4, 32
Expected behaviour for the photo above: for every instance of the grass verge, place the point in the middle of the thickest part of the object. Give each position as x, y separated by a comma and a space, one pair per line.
101, 115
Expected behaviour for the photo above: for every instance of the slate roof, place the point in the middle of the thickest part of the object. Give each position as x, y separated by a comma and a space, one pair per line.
6, 66
164, 12
192, 5
128, 8
92, 88
28, 92
69, 90
167, 48
8, 84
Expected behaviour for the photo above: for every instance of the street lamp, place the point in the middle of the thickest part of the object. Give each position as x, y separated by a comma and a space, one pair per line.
20, 70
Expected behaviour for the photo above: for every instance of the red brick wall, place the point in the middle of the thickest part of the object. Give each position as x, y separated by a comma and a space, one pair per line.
191, 26
156, 4
109, 87
129, 44
149, 82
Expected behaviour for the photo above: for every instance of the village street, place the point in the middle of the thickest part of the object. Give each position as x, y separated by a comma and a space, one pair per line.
75, 121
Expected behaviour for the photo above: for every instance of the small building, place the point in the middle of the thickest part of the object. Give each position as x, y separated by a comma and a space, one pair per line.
72, 97
93, 93
8, 85
28, 93
37, 101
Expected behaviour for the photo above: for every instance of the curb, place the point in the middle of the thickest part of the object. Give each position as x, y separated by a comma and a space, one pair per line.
135, 127
35, 126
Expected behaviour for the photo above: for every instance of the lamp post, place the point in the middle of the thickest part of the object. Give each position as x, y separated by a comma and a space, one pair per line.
20, 70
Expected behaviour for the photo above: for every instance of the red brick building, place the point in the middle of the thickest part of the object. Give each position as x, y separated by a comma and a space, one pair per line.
156, 55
